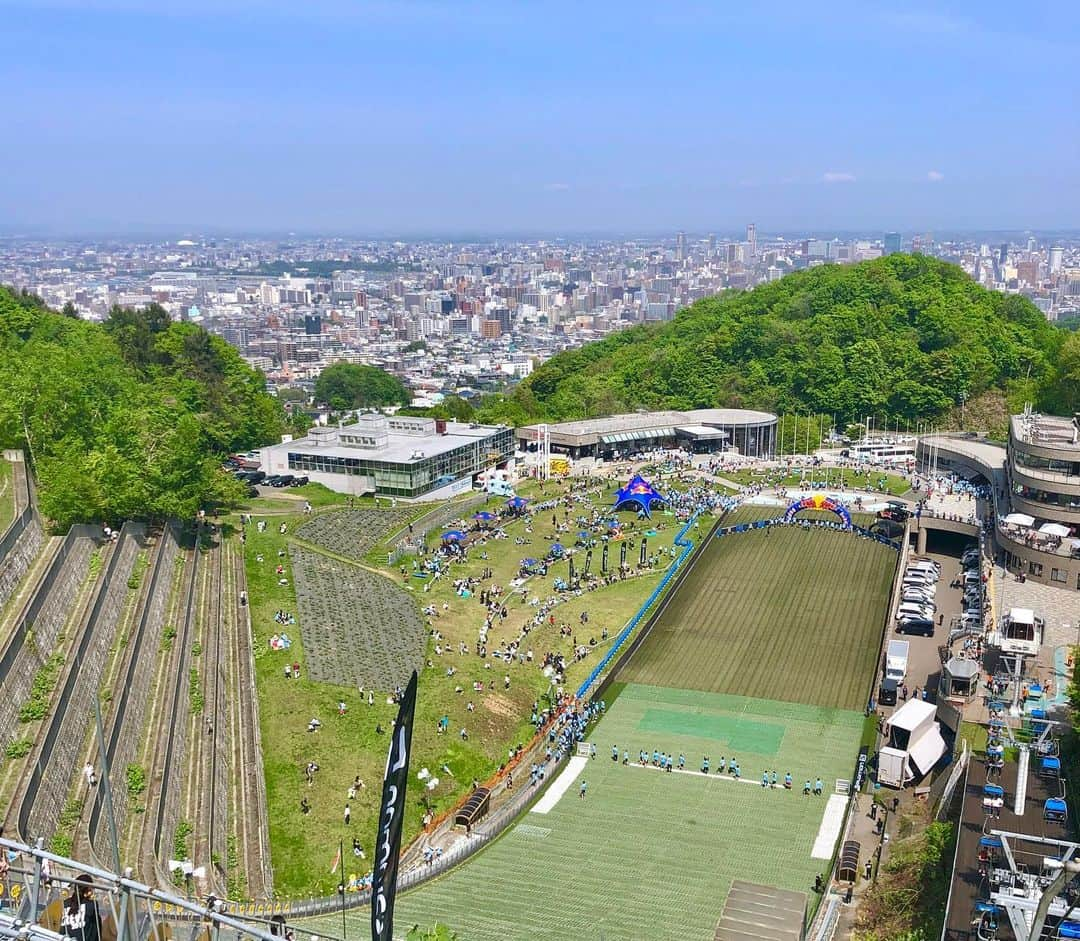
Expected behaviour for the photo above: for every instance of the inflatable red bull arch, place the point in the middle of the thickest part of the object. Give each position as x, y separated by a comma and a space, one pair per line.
818, 502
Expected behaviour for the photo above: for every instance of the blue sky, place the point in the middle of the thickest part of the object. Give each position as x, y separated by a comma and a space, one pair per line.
411, 118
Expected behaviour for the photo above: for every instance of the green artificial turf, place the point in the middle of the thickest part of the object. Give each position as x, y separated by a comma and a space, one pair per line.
647, 848
783, 613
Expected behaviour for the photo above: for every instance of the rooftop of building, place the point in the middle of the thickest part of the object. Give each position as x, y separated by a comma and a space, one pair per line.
633, 421
426, 439
1049, 431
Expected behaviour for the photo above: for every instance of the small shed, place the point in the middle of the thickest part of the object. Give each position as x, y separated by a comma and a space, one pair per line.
960, 678
847, 868
474, 809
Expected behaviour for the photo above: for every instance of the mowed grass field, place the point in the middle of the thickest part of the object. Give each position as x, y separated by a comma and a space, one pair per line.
763, 654
646, 848
784, 613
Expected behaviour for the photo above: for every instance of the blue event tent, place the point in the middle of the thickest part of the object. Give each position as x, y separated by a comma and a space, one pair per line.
638, 495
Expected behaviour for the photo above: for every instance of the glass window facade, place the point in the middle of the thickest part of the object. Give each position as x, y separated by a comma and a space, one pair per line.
413, 478
1065, 501
1055, 465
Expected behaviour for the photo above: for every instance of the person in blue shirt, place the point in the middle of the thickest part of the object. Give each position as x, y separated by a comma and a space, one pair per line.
787, 780
764, 778
583, 786
774, 779
682, 762
625, 757
705, 765
614, 752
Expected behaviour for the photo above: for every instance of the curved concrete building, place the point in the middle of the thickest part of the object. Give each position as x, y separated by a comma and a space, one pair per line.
700, 431
1037, 475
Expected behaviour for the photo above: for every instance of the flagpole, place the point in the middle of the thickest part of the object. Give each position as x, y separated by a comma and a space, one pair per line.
341, 887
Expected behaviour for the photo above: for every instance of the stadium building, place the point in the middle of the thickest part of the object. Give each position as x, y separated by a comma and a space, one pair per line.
1036, 484
394, 456
700, 431
1043, 468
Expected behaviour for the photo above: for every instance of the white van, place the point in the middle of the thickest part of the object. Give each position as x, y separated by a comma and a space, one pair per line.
925, 568
910, 609
919, 597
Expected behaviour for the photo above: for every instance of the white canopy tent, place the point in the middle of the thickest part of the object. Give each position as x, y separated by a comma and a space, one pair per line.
1020, 519
1054, 529
927, 751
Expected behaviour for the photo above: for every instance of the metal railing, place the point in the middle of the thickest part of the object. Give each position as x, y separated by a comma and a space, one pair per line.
38, 881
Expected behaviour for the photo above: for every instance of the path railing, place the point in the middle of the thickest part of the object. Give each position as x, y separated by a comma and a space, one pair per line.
687, 547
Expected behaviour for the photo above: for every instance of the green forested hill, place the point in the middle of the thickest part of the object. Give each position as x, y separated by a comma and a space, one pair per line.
125, 419
903, 336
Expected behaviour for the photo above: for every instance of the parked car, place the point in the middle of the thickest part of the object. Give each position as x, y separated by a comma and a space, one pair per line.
300, 481
924, 626
284, 480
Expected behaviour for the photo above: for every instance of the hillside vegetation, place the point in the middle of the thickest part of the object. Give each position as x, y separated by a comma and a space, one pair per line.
904, 336
127, 419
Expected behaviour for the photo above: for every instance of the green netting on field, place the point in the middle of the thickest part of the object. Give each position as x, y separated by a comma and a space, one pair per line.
761, 738
647, 848
786, 614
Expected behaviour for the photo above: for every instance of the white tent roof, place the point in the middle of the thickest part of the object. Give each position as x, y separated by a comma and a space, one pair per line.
912, 714
927, 751
1054, 529
1020, 519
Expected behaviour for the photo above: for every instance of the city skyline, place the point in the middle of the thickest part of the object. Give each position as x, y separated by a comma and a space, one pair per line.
422, 119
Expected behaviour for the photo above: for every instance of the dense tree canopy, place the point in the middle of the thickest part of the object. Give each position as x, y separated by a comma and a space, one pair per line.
452, 407
129, 419
905, 336
349, 385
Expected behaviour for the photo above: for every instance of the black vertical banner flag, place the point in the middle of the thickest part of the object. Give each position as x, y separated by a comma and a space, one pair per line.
603, 560
644, 550
622, 555
388, 842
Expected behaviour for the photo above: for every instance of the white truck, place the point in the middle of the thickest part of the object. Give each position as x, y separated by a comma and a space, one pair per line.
913, 744
896, 661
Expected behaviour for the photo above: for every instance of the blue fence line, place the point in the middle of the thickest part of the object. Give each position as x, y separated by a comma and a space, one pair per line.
780, 521
687, 546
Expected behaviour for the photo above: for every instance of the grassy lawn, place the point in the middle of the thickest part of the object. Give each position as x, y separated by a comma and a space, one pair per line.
765, 653
756, 602
976, 736
829, 477
7, 496
647, 848
303, 846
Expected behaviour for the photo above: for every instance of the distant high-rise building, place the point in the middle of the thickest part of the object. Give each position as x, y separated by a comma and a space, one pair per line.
1003, 253
1056, 254
712, 244
312, 325
1032, 244
751, 238
680, 246
892, 243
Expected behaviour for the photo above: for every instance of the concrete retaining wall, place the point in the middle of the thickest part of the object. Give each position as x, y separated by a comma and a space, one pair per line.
39, 625
58, 758
124, 725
